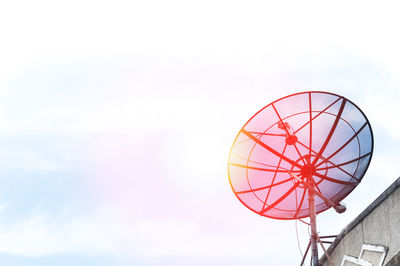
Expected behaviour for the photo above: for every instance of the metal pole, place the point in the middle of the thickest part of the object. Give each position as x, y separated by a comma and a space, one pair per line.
313, 215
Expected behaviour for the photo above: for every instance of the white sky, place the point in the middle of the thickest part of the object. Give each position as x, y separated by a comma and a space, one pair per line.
117, 117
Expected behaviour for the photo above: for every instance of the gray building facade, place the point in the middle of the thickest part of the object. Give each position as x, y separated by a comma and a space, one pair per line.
373, 238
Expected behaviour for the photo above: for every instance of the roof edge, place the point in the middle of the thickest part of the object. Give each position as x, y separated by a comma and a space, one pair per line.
361, 217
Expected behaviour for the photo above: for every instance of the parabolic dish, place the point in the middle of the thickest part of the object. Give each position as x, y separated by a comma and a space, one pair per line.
316, 134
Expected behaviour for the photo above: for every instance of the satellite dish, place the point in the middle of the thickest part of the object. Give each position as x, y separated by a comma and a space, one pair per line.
300, 155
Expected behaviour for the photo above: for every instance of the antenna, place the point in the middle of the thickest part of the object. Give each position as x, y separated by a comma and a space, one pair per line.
299, 156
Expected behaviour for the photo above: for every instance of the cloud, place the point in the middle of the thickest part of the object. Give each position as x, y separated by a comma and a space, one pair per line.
109, 231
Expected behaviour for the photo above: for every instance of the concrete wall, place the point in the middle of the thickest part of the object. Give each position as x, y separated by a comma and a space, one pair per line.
378, 225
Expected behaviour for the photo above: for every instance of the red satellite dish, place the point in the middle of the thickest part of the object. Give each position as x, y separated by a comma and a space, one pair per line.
299, 156
310, 135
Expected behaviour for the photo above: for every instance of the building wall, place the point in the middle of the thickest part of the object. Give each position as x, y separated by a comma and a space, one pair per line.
378, 225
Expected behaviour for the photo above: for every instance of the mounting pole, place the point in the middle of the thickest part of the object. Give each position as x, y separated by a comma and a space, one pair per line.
313, 223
